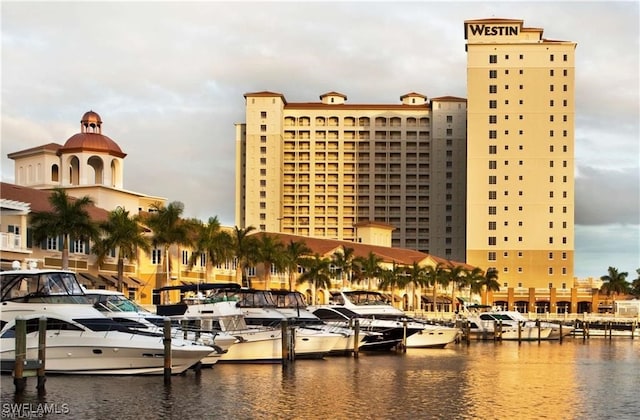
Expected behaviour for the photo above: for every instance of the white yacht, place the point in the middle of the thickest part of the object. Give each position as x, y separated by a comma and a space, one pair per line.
79, 338
292, 305
254, 344
485, 326
258, 308
116, 306
515, 316
372, 305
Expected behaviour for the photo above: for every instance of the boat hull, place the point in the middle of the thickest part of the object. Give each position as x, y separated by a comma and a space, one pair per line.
104, 354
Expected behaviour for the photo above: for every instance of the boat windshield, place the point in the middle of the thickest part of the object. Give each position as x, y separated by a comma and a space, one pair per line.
289, 300
114, 303
47, 286
366, 298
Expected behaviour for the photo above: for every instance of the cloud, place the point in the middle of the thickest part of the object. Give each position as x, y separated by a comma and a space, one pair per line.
607, 196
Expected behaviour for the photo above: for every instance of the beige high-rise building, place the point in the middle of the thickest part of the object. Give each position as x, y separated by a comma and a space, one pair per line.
320, 168
520, 179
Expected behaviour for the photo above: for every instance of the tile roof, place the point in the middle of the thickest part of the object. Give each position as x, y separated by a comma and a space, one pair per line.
39, 200
389, 255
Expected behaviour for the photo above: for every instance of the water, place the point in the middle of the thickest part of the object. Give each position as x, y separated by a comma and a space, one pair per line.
592, 379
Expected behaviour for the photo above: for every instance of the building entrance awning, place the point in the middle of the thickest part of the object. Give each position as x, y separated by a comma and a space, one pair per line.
92, 281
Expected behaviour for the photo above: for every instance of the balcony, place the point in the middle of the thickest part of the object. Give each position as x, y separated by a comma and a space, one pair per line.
12, 242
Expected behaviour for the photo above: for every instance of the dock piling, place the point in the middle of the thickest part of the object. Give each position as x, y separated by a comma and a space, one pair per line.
167, 351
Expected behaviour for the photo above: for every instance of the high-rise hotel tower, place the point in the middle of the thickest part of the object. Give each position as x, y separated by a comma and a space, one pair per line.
520, 153
322, 168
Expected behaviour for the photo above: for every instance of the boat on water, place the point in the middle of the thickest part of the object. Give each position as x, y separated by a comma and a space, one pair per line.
261, 310
372, 307
256, 343
489, 326
118, 307
79, 338
557, 329
292, 305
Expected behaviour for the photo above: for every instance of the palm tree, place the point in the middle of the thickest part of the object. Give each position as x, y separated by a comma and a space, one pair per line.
488, 283
293, 254
124, 235
68, 218
615, 283
393, 278
457, 277
635, 285
168, 229
212, 242
474, 280
417, 276
317, 273
436, 276
369, 267
343, 262
269, 252
243, 247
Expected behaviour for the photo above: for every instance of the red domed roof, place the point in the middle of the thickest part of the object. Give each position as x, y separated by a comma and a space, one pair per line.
91, 117
91, 138
94, 142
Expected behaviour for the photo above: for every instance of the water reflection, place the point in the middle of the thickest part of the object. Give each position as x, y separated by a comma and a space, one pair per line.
573, 380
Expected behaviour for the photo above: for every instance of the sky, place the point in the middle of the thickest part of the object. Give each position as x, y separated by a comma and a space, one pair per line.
168, 80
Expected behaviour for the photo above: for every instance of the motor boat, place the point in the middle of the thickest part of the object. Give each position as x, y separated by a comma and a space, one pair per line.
488, 326
118, 307
258, 308
255, 344
515, 316
379, 334
79, 338
293, 306
373, 305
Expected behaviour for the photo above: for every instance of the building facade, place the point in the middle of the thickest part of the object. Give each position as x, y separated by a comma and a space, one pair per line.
520, 158
319, 168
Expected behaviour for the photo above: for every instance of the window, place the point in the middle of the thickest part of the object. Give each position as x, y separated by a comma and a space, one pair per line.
493, 164
185, 257
493, 134
263, 114
551, 102
493, 89
156, 256
551, 88
551, 72
550, 209
521, 56
492, 240
493, 149
564, 57
263, 139
506, 56
492, 226
493, 119
550, 270
52, 244
493, 195
491, 256
492, 179
550, 239
492, 210
493, 104
449, 132
551, 57
78, 246
493, 74
263, 128
449, 118
564, 72
493, 59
